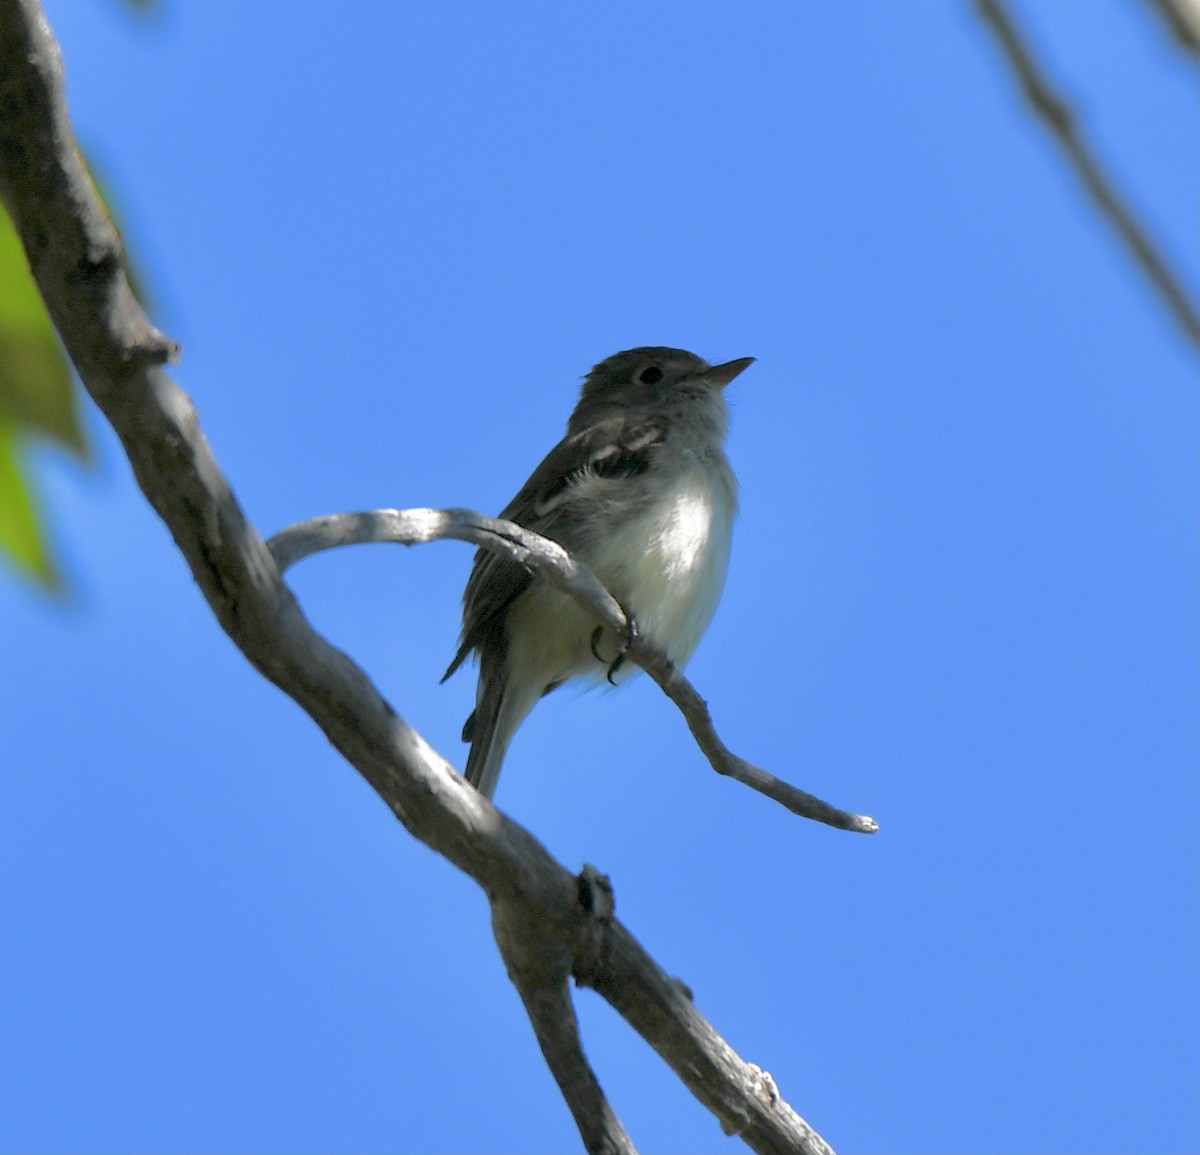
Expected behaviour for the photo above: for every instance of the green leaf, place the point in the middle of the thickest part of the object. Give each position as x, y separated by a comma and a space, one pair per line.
21, 540
38, 396
36, 390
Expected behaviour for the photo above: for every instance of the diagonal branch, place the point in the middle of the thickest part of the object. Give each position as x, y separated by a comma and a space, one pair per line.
75, 256
1058, 116
551, 561
549, 1008
660, 1009
1182, 17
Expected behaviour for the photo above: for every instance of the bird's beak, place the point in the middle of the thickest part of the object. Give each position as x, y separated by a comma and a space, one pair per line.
721, 375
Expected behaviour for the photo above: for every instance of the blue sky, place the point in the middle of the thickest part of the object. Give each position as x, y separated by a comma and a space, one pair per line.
961, 598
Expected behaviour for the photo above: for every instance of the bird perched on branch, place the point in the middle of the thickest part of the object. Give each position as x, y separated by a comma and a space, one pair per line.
639, 490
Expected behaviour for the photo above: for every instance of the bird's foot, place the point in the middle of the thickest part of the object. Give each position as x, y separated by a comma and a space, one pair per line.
615, 664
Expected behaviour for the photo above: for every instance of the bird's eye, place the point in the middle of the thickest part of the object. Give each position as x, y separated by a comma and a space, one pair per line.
650, 376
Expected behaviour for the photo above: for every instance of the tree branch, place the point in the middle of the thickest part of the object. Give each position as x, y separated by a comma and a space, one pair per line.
75, 256
743, 1096
1058, 116
551, 561
1182, 17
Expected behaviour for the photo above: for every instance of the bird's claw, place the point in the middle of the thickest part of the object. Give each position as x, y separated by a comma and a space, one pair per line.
631, 634
597, 634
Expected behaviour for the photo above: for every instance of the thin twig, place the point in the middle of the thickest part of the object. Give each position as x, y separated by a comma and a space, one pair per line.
1058, 116
551, 561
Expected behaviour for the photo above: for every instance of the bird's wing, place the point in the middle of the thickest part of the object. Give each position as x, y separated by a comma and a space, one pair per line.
620, 446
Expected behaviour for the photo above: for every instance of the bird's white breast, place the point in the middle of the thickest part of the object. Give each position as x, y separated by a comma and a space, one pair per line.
669, 567
665, 565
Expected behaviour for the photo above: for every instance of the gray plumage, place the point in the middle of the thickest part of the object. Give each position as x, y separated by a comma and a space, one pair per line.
640, 491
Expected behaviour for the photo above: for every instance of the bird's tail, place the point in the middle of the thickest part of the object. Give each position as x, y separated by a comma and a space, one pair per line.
489, 728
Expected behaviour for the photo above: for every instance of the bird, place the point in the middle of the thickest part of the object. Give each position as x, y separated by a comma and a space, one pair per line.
639, 490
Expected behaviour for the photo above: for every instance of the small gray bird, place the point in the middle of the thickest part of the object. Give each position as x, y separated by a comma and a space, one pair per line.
639, 490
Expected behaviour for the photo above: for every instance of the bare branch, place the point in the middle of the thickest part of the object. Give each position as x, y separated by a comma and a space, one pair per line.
660, 1009
551, 561
75, 256
1058, 116
1182, 17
